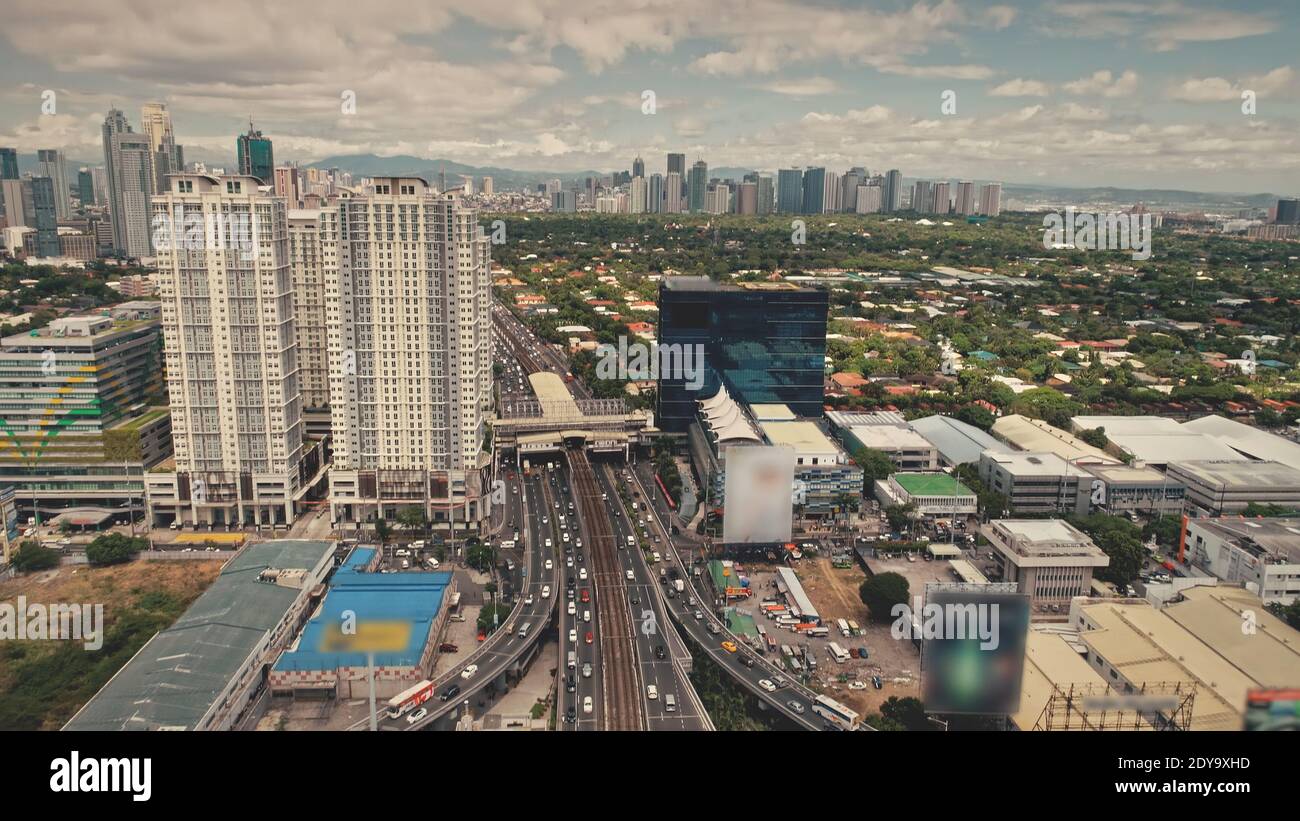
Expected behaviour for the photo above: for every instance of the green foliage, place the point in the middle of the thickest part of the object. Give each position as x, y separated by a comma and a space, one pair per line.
31, 556
114, 548
499, 611
1095, 437
900, 516
902, 714
875, 465
479, 557
1119, 539
881, 592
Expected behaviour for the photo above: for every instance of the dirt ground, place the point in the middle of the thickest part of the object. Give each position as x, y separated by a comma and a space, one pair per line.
835, 592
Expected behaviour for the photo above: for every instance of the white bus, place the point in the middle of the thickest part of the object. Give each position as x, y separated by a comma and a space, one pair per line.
835, 714
844, 627
838, 653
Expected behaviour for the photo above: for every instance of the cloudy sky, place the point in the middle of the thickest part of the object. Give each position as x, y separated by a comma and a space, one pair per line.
1133, 93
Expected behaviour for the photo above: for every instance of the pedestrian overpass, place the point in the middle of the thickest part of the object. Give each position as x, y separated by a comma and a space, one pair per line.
555, 420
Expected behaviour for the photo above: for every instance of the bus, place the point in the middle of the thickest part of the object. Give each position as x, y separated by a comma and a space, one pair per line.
400, 704
817, 632
835, 714
838, 653
844, 627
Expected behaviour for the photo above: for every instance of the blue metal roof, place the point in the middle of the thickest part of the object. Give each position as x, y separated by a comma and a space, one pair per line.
412, 598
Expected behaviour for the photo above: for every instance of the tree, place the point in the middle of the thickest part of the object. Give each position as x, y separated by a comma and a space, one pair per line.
900, 516
113, 548
1095, 437
976, 415
880, 593
875, 465
498, 611
31, 556
907, 712
382, 531
1126, 557
411, 518
479, 557
1165, 530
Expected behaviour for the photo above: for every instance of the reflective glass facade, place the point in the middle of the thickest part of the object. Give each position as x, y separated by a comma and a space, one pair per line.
766, 342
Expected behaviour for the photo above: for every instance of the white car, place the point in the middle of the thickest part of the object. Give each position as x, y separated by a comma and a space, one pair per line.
469, 671
587, 705
630, 577
573, 609
417, 715
568, 561
578, 541
857, 685
767, 685
586, 615
573, 636
550, 565
528, 600
582, 573
651, 692
546, 591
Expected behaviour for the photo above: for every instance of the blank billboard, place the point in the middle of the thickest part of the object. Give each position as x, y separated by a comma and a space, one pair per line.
973, 651
758, 490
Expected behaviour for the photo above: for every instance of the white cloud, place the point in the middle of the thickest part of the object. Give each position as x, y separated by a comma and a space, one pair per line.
1281, 83
806, 87
1103, 83
1021, 88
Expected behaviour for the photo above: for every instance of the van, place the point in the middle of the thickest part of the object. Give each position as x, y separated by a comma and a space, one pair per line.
417, 545
655, 555
523, 629
670, 703
508, 544
573, 659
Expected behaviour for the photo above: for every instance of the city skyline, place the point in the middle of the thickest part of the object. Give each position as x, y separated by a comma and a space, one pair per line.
1102, 94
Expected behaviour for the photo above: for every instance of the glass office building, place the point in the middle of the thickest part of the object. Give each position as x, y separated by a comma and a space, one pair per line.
766, 341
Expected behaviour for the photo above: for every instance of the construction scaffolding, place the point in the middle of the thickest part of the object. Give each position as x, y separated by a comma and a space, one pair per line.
1153, 706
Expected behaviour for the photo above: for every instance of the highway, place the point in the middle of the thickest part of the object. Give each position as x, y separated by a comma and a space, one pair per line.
621, 706
534, 354
500, 650
788, 692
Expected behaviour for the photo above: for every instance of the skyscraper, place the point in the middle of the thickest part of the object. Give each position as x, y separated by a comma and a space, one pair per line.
47, 221
256, 157
130, 171
638, 167
893, 193
486, 187
831, 193
156, 125
232, 354
672, 193
747, 198
922, 197
16, 196
966, 204
410, 356
636, 194
814, 190
313, 250
287, 185
789, 191
8, 163
940, 197
869, 199
698, 186
1288, 212
53, 165
991, 199
764, 195
85, 188
655, 194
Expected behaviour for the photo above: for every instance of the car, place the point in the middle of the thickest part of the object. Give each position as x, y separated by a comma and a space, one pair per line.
573, 609
590, 637
651, 692
578, 541
573, 635
582, 573
570, 684
586, 616
857, 685
748, 661
417, 715
629, 576
877, 683
550, 565
796, 706
587, 706
570, 591
586, 595
447, 647
714, 628
568, 561
450, 693
730, 646
586, 669
659, 651
699, 615
767, 685
546, 591
634, 598
469, 671
570, 716
528, 600
580, 559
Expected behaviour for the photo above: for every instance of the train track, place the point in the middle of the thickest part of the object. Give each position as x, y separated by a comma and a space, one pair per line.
623, 708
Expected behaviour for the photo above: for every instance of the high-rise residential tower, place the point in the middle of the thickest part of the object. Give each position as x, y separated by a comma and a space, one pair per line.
789, 191
991, 199
156, 125
408, 311
130, 171
814, 190
232, 355
893, 191
698, 185
8, 163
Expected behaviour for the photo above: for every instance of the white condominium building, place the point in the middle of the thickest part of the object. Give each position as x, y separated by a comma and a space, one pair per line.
313, 250
408, 312
232, 355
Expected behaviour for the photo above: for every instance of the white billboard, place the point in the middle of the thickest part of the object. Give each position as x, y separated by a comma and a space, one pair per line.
759, 485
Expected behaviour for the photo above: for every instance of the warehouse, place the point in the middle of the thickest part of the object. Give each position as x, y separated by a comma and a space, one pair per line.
957, 442
930, 494
1220, 487
788, 583
1155, 440
1264, 553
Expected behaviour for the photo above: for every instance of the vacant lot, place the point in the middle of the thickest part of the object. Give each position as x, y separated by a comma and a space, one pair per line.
43, 683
